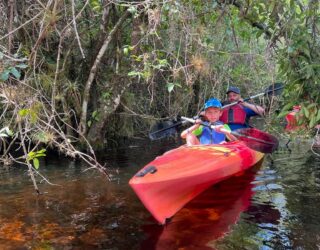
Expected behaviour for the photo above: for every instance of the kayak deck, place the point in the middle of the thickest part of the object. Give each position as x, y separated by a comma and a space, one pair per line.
170, 181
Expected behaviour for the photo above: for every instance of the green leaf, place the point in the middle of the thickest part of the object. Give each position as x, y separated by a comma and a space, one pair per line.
306, 112
31, 154
23, 112
288, 106
36, 163
94, 113
312, 122
132, 9
106, 95
39, 155
6, 131
290, 49
9, 132
96, 5
137, 58
42, 151
5, 75
126, 50
146, 74
170, 86
163, 62
214, 4
297, 9
134, 73
283, 114
15, 72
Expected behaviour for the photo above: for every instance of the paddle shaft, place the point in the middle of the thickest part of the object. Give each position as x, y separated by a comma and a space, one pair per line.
166, 128
254, 96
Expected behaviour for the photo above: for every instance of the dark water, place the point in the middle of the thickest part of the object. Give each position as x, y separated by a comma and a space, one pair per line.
272, 206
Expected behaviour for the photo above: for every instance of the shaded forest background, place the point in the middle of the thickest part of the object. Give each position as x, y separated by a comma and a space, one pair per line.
77, 75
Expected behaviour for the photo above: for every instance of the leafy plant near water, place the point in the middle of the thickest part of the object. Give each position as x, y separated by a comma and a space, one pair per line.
34, 157
293, 26
8, 68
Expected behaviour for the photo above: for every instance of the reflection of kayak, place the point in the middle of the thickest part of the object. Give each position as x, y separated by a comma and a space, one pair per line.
206, 218
170, 181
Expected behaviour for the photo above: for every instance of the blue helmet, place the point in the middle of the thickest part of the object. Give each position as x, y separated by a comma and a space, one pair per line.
214, 103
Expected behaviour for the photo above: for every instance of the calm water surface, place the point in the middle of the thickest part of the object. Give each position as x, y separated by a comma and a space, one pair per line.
273, 206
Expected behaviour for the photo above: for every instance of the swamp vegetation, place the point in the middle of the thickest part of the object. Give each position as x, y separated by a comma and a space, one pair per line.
75, 76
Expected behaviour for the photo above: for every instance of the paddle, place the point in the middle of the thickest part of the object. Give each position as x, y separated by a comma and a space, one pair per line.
169, 128
274, 89
164, 129
253, 138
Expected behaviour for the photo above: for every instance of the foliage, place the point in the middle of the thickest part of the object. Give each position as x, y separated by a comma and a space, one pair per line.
34, 157
5, 132
9, 68
293, 27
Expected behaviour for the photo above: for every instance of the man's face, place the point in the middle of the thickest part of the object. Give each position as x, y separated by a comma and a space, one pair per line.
233, 97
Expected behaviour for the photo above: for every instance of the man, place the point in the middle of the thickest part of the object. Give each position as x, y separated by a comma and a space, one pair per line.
237, 116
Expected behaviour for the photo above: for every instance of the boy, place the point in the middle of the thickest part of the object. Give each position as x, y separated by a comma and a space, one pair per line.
200, 134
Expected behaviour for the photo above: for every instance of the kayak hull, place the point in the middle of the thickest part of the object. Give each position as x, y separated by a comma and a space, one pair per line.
170, 181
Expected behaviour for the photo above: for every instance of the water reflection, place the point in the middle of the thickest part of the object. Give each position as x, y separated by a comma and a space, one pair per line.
206, 218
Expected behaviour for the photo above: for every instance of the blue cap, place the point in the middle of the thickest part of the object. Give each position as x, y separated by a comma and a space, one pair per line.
234, 89
214, 103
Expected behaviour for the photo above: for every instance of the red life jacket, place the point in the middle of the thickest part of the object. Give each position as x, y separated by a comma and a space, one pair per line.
234, 114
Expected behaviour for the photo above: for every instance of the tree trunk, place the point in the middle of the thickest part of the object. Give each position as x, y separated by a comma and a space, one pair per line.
93, 71
96, 133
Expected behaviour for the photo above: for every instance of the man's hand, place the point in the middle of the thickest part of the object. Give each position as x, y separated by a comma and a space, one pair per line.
240, 101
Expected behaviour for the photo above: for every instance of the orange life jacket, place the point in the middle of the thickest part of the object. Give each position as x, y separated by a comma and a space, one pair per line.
234, 114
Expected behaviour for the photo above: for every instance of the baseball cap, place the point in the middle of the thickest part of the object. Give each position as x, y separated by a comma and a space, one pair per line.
234, 89
214, 103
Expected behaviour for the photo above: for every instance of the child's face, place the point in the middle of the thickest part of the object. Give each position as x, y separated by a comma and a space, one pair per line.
213, 114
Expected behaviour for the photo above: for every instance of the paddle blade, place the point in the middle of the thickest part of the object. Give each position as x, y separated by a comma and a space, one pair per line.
274, 89
257, 139
163, 129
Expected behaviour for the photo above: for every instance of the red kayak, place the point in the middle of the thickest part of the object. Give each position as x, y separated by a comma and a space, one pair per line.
170, 181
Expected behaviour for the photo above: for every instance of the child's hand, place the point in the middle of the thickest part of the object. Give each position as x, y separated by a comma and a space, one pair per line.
221, 129
198, 121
